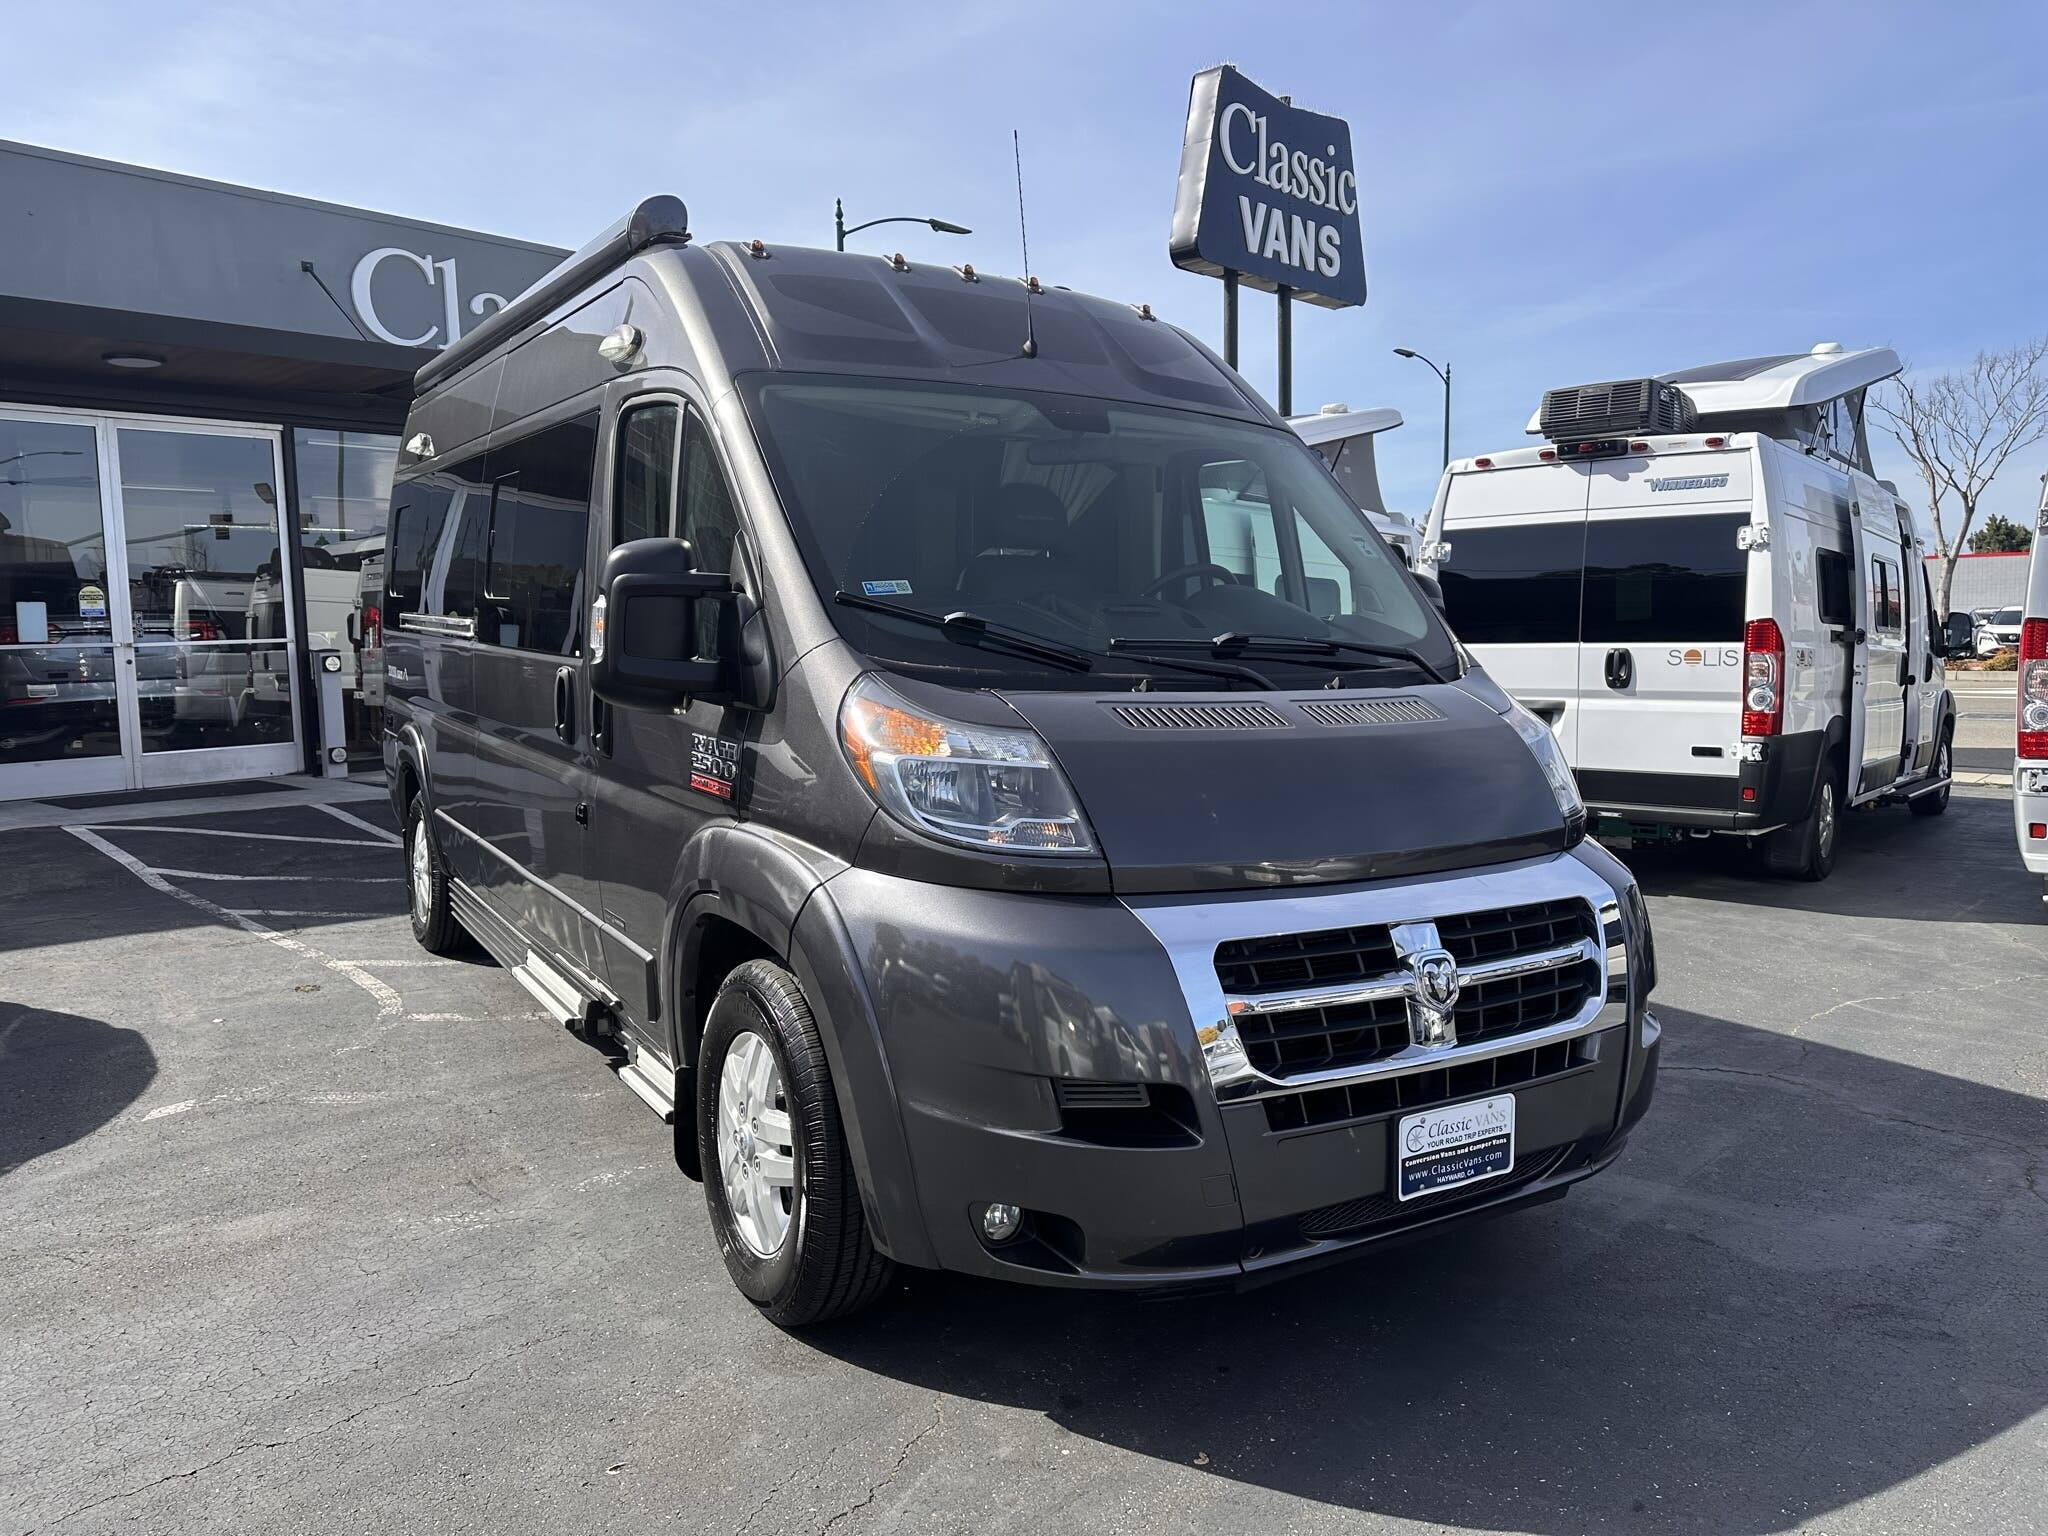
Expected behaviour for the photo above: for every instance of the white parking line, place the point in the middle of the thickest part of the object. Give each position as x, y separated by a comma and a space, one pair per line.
288, 912
387, 1000
261, 837
207, 874
389, 839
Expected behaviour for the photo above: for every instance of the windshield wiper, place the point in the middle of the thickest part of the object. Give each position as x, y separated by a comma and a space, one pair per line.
1237, 644
966, 628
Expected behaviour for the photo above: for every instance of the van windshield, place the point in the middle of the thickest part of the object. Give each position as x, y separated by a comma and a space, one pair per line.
1081, 521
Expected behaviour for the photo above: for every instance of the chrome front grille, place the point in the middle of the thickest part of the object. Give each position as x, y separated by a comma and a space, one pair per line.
1300, 992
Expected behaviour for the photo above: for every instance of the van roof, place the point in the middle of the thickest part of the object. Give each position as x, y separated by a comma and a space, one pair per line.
1328, 426
1779, 382
798, 309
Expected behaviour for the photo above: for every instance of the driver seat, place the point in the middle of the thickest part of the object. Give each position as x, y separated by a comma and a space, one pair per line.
1025, 525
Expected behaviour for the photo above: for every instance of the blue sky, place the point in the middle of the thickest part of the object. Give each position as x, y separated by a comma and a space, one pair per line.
1551, 194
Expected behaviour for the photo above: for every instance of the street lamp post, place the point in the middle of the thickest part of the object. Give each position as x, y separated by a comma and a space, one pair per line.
1443, 373
840, 231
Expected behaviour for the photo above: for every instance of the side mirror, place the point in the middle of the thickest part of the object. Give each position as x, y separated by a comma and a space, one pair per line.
1959, 632
643, 639
1431, 589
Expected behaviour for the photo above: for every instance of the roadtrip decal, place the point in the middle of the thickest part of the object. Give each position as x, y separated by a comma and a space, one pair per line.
714, 764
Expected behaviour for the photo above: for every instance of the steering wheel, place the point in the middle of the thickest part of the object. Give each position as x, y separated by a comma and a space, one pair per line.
1223, 576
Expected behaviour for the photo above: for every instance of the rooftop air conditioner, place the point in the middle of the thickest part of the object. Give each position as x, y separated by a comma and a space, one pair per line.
1627, 407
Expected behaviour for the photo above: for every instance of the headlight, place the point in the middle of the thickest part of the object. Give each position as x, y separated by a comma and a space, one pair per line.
979, 785
1550, 759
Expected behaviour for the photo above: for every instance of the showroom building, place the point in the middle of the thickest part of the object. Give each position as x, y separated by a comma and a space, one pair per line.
201, 387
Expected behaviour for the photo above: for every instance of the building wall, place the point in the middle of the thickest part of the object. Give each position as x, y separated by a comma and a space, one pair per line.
1983, 581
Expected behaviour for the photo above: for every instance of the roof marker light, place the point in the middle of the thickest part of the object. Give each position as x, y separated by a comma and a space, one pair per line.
1547, 455
1482, 463
1714, 442
1638, 447
1032, 284
757, 250
898, 263
1145, 312
967, 273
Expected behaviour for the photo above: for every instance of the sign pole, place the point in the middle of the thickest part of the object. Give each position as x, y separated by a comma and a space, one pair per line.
1286, 349
1230, 318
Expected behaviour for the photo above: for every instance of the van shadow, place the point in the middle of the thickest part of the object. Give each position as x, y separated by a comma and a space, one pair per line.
62, 1077
1804, 1283
1960, 867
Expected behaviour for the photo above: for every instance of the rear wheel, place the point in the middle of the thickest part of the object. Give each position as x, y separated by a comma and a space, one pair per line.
426, 883
778, 1176
1805, 850
1935, 801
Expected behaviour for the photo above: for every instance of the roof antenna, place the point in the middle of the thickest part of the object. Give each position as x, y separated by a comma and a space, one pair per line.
1024, 239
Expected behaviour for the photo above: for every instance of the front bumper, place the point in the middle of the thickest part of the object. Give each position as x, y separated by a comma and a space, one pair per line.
985, 1003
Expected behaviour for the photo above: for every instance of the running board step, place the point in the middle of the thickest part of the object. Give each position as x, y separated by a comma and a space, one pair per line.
654, 1083
560, 996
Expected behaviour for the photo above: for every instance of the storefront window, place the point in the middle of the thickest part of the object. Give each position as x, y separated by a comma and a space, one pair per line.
344, 497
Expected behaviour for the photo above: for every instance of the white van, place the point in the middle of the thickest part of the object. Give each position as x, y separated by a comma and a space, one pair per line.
1344, 438
2030, 768
1697, 581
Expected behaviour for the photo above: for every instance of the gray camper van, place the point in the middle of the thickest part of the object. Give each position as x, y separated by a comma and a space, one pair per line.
977, 773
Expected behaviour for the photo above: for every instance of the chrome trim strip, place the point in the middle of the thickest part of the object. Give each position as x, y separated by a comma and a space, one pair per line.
1402, 983
1190, 930
438, 624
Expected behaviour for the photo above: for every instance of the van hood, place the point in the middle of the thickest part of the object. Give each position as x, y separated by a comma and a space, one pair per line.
1192, 794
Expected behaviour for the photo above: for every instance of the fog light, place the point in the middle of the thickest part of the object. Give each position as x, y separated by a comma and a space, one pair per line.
1000, 1223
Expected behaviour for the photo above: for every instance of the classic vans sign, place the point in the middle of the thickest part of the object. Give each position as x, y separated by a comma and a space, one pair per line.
1267, 191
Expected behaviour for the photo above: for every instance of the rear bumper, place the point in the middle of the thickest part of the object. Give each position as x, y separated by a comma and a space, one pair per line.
982, 1001
1766, 791
2030, 808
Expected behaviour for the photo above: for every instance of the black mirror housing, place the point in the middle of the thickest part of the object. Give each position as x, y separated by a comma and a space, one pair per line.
642, 646
1958, 631
1431, 589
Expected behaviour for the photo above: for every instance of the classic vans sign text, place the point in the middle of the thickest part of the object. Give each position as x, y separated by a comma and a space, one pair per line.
1267, 191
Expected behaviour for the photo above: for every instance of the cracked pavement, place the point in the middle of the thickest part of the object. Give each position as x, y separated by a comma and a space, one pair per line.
278, 1253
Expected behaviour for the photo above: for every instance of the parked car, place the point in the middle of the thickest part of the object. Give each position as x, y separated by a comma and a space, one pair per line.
985, 782
2001, 631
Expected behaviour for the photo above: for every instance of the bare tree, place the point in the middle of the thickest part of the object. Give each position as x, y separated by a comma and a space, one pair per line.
1961, 427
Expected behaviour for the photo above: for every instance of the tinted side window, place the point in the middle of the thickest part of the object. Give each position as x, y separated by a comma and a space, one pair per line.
1886, 599
539, 531
1831, 578
1516, 585
644, 499
455, 566
1665, 578
418, 511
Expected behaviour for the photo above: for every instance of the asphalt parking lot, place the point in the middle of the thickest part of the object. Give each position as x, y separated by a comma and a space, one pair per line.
304, 1230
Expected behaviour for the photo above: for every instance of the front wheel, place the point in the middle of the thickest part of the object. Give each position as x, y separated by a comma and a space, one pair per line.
1805, 850
1935, 801
778, 1175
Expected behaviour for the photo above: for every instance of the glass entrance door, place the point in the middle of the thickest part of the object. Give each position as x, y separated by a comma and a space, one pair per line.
145, 622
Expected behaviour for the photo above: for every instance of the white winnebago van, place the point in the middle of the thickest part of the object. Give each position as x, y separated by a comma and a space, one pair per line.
1698, 582
2030, 771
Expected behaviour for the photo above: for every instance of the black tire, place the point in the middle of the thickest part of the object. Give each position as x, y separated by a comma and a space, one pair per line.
426, 890
1935, 801
1806, 849
826, 1266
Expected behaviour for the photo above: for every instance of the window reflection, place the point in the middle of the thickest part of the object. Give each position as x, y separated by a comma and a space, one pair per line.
344, 495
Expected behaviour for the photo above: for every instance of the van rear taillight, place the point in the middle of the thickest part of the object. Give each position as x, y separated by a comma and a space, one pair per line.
1763, 678
2033, 680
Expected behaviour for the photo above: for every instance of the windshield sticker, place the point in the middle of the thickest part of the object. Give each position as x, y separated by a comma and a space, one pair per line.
714, 764
886, 588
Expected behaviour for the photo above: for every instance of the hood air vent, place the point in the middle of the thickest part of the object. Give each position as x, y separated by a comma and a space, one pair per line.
1198, 717
1369, 711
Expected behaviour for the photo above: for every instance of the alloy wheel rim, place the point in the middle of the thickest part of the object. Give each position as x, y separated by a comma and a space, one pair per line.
1827, 819
422, 874
756, 1150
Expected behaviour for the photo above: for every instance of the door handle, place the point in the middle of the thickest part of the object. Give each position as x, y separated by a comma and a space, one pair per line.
1621, 668
565, 704
582, 813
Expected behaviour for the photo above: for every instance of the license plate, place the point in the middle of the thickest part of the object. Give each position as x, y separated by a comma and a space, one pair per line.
1441, 1149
